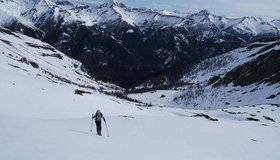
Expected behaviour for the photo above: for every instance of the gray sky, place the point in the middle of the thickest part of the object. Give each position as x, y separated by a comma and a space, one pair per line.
267, 9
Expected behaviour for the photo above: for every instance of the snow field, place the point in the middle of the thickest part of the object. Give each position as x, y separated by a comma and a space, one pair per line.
141, 137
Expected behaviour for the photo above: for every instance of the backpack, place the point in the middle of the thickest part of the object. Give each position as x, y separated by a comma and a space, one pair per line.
98, 116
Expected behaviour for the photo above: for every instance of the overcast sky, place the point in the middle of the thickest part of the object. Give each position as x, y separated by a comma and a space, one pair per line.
267, 9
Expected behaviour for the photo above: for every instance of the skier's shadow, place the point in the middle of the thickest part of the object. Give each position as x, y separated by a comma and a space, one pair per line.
77, 131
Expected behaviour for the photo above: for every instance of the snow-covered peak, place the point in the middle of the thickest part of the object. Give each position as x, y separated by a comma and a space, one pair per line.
204, 17
202, 13
244, 26
173, 13
46, 11
275, 23
166, 12
254, 26
253, 18
12, 10
114, 14
113, 3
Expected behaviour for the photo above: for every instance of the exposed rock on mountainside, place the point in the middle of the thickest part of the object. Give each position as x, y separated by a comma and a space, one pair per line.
264, 69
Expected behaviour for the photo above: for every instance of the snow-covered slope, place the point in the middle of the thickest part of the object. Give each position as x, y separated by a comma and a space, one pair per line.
39, 59
255, 26
276, 23
12, 10
39, 81
245, 76
177, 135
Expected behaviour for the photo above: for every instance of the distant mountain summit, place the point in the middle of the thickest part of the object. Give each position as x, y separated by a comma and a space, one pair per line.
126, 45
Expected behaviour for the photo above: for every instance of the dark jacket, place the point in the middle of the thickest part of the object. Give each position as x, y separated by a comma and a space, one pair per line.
98, 116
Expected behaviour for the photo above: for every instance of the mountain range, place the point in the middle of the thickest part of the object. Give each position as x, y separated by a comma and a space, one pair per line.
127, 45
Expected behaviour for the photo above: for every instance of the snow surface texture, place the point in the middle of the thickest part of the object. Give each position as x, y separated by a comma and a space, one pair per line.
148, 137
198, 94
42, 118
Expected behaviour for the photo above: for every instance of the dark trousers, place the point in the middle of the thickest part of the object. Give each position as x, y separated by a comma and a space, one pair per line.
98, 126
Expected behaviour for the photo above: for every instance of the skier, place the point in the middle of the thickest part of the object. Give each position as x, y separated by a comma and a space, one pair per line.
98, 118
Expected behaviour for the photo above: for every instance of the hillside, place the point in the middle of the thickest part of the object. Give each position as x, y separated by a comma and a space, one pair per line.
245, 76
39, 81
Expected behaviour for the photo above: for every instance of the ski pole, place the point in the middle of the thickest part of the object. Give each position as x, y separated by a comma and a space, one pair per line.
107, 129
91, 122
